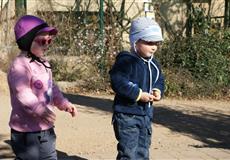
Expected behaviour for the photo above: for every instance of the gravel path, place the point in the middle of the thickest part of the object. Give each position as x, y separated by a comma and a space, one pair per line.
182, 130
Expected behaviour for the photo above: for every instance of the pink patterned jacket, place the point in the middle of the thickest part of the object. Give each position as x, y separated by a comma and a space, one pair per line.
31, 89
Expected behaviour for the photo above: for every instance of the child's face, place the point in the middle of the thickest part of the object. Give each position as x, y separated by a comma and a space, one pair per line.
146, 49
40, 44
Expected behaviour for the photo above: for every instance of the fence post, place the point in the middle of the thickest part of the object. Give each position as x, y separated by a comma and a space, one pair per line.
101, 25
101, 15
20, 7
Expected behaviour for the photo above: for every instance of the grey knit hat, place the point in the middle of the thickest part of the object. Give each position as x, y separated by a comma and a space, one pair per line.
146, 29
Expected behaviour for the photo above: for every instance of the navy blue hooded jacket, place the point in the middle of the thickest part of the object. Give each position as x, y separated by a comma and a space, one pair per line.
129, 74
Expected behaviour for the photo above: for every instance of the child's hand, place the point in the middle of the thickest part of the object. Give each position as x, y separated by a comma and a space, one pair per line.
156, 95
71, 109
48, 115
146, 97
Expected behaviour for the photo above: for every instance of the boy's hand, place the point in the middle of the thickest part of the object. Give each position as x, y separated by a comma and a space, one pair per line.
71, 109
146, 97
156, 95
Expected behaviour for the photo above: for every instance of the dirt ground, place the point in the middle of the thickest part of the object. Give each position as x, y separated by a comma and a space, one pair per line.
182, 130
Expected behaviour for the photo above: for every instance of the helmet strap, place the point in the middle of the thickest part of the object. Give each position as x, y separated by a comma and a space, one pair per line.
35, 58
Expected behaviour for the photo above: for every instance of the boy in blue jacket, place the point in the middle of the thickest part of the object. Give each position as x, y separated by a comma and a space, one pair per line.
137, 80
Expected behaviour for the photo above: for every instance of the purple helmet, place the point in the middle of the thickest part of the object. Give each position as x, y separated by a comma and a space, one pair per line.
26, 29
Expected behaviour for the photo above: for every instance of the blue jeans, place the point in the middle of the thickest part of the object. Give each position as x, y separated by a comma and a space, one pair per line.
133, 134
34, 145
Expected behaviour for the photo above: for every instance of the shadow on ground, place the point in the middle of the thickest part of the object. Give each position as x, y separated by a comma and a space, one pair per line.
5, 149
64, 156
98, 103
211, 128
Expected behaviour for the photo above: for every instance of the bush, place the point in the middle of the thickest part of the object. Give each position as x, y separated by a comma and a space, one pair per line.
80, 69
203, 60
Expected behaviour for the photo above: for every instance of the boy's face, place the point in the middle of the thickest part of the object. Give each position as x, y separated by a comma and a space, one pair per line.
146, 49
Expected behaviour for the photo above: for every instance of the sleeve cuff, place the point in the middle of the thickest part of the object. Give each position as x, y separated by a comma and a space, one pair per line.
63, 104
157, 90
139, 96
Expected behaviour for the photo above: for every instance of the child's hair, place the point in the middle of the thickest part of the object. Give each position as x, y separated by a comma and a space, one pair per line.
26, 29
146, 29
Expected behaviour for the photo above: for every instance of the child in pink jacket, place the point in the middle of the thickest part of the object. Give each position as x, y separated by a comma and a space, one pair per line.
33, 93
